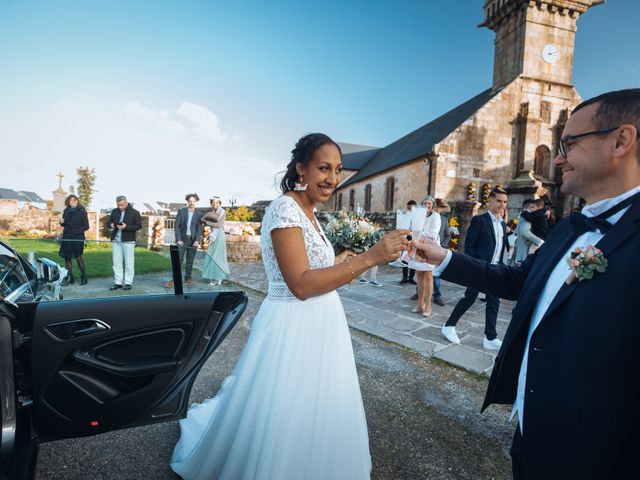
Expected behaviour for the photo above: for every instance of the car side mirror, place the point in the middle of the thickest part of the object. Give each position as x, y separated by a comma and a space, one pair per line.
48, 270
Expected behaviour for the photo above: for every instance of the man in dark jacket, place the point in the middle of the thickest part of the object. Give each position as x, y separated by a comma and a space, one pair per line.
569, 361
124, 222
188, 232
486, 240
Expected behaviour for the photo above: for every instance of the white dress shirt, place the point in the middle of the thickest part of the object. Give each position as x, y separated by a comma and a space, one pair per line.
499, 234
189, 218
556, 280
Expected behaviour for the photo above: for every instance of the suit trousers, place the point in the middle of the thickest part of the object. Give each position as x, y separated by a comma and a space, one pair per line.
123, 262
190, 253
491, 311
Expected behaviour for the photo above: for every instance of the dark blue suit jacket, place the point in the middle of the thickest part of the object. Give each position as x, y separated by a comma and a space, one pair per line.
581, 409
481, 239
181, 225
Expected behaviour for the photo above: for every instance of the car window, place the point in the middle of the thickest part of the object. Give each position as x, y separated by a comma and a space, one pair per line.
12, 274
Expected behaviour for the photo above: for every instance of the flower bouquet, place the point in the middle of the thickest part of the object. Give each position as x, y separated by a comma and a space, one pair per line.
351, 231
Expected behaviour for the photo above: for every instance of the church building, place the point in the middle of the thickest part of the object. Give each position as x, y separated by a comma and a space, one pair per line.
506, 135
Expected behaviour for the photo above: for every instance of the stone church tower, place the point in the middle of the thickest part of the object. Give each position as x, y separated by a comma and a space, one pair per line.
506, 135
534, 48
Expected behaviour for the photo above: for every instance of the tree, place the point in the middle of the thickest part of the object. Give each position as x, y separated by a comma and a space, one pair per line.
86, 180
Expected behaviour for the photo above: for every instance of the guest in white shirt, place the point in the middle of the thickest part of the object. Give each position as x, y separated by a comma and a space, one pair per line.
485, 240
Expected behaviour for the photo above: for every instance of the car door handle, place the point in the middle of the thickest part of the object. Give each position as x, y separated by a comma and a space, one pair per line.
142, 367
76, 328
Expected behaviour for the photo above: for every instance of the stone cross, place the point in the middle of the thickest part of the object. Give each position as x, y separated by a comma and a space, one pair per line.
60, 177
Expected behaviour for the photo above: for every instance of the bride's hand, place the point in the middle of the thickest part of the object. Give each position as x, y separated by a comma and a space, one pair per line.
430, 251
389, 247
343, 256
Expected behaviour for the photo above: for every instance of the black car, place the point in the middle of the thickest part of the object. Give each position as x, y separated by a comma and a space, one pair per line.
21, 281
82, 367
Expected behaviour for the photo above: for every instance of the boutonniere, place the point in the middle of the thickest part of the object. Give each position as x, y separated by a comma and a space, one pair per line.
584, 262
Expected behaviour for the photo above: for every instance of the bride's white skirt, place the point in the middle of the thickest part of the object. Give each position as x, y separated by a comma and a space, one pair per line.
292, 408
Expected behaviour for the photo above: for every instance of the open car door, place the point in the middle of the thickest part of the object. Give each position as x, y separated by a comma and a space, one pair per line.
112, 363
93, 365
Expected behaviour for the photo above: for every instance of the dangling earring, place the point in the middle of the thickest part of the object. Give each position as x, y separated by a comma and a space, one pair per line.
300, 186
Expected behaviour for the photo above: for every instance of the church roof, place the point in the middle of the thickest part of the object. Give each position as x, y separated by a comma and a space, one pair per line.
418, 143
357, 160
355, 156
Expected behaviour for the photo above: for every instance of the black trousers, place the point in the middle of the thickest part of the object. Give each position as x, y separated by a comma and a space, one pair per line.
191, 255
408, 273
491, 311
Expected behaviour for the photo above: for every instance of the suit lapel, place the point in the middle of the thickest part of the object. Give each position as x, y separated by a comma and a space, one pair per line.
546, 260
493, 233
621, 231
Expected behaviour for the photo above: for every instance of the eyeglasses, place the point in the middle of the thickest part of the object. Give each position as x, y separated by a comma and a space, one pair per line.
563, 147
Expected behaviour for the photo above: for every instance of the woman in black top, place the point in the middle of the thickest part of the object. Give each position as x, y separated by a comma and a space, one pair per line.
75, 222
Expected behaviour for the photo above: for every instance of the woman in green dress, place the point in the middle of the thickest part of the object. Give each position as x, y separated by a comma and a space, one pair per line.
215, 267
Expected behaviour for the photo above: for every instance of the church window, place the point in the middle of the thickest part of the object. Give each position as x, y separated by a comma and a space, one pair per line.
367, 198
352, 199
390, 186
339, 200
476, 172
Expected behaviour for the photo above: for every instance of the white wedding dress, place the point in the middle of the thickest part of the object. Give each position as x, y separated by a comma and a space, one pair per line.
292, 408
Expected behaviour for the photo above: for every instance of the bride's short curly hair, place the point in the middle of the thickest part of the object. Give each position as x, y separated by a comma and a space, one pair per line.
302, 153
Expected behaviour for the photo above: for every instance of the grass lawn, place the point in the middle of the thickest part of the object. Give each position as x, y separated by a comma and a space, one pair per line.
97, 256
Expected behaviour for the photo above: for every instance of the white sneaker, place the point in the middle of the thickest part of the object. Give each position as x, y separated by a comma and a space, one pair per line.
494, 344
450, 334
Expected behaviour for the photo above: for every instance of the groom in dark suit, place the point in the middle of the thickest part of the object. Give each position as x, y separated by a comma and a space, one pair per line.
486, 240
569, 361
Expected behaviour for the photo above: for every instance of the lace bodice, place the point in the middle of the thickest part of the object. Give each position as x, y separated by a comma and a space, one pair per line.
284, 212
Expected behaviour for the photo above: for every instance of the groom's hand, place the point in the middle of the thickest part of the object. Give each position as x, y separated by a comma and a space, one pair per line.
430, 251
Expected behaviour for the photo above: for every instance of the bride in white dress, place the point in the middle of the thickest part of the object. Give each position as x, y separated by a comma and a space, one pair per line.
292, 408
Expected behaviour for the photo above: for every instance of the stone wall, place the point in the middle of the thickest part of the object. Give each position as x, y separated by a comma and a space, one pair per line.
243, 248
42, 222
9, 207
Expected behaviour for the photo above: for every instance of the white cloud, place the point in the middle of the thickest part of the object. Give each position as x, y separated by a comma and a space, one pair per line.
189, 118
160, 119
204, 121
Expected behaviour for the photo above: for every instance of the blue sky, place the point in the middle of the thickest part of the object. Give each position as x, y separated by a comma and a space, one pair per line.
166, 97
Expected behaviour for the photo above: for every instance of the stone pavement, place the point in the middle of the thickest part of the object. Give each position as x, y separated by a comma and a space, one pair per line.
386, 312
